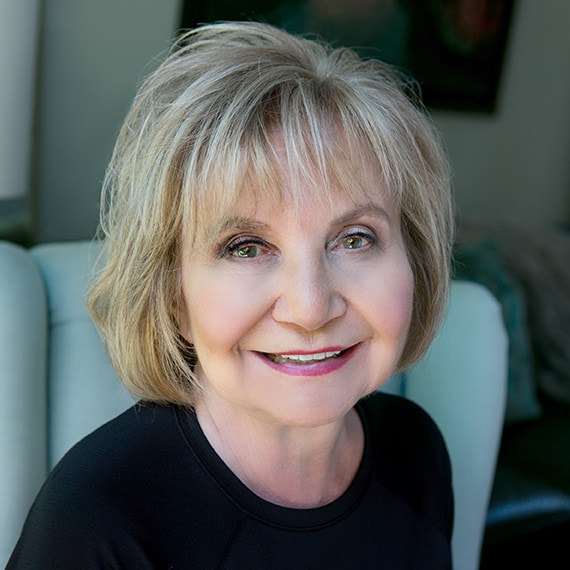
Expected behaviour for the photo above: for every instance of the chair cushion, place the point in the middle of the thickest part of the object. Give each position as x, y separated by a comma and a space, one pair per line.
83, 389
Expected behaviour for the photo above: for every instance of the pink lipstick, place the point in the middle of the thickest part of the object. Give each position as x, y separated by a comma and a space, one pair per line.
304, 363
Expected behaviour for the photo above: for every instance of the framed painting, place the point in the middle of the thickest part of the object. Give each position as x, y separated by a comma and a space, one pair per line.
454, 48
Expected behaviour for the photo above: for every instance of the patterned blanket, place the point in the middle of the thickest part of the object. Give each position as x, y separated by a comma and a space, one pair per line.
537, 262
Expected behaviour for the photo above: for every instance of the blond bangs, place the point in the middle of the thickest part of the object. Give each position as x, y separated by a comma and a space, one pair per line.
320, 149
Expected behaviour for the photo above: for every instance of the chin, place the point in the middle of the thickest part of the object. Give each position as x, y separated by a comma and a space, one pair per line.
311, 415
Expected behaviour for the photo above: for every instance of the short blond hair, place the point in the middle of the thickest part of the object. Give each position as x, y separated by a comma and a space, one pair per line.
197, 137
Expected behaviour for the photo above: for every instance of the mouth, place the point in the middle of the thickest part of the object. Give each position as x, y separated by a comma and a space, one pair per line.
303, 358
309, 363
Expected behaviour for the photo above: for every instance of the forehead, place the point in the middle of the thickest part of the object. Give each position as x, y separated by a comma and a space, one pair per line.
281, 221
287, 172
334, 164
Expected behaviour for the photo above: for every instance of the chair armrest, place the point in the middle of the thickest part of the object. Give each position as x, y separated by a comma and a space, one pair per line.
462, 383
23, 349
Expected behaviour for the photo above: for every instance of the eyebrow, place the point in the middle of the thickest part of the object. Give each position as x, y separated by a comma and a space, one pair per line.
245, 224
368, 209
242, 224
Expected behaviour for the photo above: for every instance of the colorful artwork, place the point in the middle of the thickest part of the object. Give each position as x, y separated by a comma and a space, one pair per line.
454, 48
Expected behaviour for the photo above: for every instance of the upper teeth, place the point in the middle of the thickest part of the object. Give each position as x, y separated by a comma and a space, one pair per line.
304, 357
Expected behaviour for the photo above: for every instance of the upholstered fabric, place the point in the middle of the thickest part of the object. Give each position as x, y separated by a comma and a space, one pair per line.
58, 384
537, 256
483, 262
23, 351
461, 381
83, 391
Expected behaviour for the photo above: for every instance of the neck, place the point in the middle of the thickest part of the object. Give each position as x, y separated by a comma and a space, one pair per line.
292, 466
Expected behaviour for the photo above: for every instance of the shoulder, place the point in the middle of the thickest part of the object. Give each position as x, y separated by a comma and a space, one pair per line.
398, 427
140, 452
400, 416
133, 494
410, 456
113, 457
105, 490
141, 436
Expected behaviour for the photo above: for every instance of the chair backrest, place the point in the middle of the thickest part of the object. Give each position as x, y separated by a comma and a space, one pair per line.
83, 389
462, 383
61, 386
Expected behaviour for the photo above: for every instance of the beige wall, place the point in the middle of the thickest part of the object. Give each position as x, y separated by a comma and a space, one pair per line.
516, 163
93, 55
18, 50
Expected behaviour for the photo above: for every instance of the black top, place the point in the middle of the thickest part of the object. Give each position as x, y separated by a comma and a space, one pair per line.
147, 490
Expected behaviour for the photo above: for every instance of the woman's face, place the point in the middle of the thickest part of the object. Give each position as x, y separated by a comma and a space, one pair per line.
297, 313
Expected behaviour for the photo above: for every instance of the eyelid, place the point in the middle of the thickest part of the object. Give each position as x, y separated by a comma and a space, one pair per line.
233, 244
359, 230
370, 237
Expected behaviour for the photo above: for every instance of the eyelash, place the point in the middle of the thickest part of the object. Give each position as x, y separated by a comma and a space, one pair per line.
236, 244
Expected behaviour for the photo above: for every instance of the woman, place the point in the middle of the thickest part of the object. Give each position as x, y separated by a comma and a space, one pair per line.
277, 227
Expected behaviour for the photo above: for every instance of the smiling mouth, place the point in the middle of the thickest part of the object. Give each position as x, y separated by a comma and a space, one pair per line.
303, 358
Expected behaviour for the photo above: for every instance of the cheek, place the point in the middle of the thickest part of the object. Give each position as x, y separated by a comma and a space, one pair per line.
218, 311
405, 291
395, 299
406, 306
206, 311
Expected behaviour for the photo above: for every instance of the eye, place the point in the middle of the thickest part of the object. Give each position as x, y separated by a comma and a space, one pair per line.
245, 248
353, 242
358, 239
246, 251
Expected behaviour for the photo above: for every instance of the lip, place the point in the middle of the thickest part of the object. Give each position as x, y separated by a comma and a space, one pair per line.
316, 368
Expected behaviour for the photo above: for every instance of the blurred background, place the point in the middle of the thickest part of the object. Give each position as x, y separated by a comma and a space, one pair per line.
69, 69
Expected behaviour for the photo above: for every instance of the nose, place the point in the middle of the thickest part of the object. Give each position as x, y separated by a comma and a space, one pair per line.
310, 295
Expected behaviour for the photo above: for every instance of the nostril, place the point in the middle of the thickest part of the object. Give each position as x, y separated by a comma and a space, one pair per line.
309, 297
310, 313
